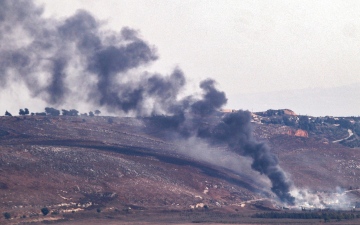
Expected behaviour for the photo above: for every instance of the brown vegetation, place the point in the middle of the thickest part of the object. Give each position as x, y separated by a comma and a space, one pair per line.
71, 165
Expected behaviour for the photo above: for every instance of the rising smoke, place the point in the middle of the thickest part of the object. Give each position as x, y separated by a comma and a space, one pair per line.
46, 54
235, 130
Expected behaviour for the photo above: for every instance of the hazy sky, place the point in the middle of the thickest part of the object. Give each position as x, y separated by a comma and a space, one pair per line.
249, 47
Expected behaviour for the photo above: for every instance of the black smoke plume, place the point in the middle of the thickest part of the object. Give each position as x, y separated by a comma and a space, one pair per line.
235, 130
211, 101
47, 55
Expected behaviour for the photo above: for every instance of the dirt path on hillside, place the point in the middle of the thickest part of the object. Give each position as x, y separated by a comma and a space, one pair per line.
350, 134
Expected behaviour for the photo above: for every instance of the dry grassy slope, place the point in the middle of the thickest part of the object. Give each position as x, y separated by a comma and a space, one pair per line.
67, 163
77, 163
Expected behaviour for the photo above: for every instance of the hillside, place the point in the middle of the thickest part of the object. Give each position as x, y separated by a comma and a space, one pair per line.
75, 166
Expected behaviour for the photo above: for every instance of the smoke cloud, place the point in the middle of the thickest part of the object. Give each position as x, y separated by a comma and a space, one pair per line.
339, 199
47, 54
235, 130
240, 138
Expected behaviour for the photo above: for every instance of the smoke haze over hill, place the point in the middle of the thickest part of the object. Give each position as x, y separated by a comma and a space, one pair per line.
71, 60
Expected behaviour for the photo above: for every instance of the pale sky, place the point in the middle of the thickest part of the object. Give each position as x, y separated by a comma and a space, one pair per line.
251, 48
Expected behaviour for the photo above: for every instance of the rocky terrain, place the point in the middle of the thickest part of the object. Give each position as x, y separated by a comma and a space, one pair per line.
105, 167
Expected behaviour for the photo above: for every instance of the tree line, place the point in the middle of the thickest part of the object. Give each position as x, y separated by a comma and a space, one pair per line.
49, 111
306, 122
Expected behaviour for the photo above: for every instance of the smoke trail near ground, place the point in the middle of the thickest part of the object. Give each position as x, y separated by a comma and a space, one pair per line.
47, 54
337, 199
235, 130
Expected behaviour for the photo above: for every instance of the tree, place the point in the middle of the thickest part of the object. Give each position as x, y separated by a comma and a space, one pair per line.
7, 113
45, 211
7, 215
305, 124
91, 114
52, 112
357, 128
330, 120
345, 123
71, 112
97, 112
24, 112
65, 112
288, 121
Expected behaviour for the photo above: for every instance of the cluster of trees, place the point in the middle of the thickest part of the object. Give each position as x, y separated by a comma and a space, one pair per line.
307, 123
302, 122
272, 112
49, 111
357, 128
52, 112
335, 215
24, 112
71, 112
345, 123
97, 112
283, 119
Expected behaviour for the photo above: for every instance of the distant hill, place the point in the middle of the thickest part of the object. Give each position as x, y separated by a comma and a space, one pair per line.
106, 167
345, 130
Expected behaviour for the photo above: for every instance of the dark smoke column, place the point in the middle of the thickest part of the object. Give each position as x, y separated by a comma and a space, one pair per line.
235, 130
